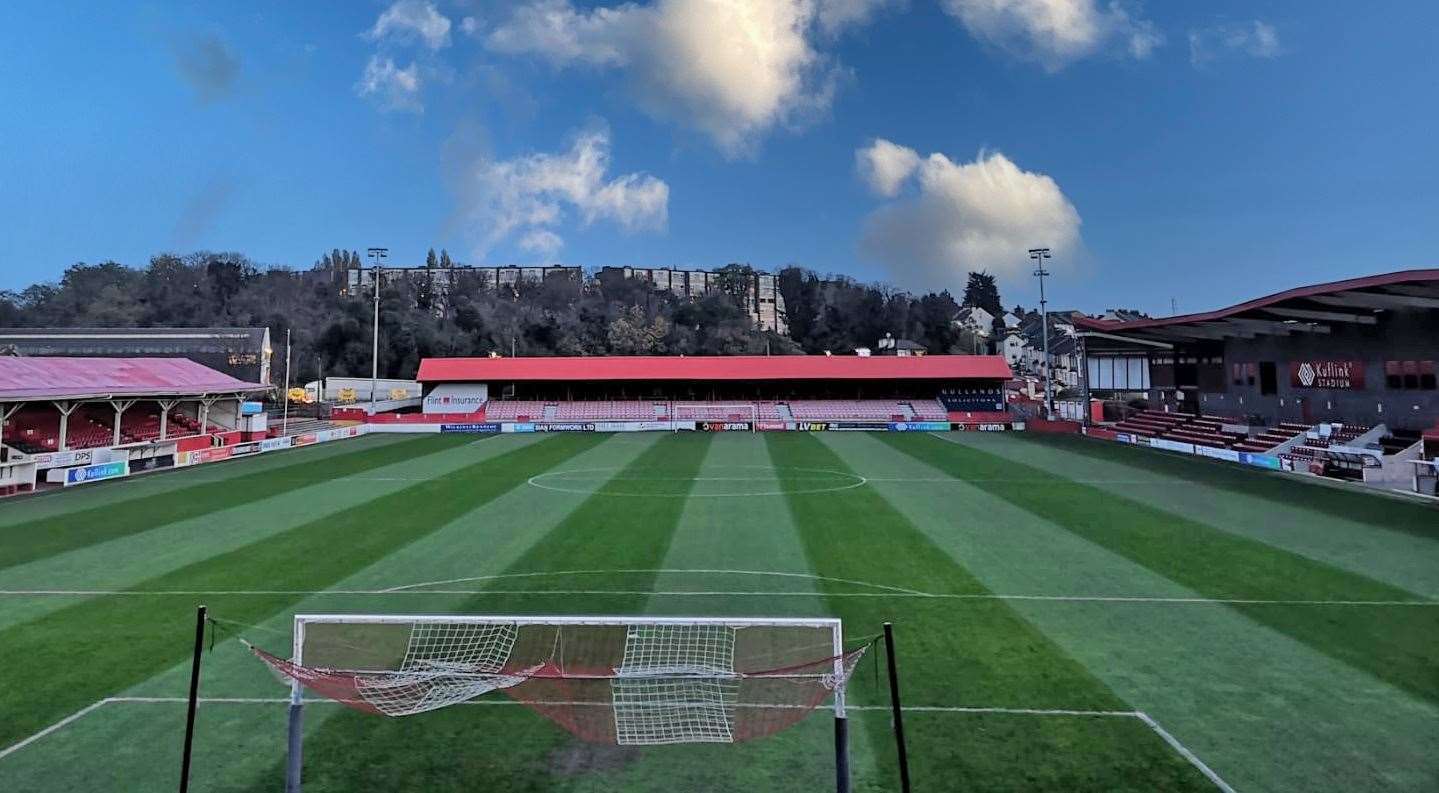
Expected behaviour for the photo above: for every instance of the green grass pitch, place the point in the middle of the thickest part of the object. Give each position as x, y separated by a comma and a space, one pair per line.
1071, 615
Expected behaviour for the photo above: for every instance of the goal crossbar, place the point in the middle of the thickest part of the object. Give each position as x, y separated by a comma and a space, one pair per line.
621, 680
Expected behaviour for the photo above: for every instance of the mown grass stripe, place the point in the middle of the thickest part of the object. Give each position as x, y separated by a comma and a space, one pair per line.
1283, 491
982, 654
140, 640
514, 749
54, 503
45, 537
1396, 645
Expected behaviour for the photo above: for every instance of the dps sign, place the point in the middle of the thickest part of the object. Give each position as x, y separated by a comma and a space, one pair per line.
1342, 375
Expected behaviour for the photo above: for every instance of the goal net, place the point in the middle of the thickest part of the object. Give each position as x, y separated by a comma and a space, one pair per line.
627, 681
715, 411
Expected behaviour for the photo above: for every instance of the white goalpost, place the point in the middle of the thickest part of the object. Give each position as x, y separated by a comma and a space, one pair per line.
715, 411
626, 681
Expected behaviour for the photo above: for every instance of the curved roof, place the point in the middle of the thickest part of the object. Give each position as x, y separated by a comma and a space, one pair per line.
29, 379
736, 367
1307, 308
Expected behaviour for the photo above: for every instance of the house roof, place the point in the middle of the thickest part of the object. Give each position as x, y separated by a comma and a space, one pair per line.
1314, 309
33, 379
738, 367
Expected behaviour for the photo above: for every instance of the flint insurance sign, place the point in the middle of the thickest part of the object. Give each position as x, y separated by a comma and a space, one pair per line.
1348, 375
456, 398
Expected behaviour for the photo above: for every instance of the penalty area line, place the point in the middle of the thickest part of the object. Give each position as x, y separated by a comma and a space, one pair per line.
1115, 599
1143, 717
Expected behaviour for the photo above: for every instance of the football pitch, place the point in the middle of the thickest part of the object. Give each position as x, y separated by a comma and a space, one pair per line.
1069, 614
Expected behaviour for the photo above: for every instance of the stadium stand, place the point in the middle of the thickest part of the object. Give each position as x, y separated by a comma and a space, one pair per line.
515, 410
605, 411
841, 410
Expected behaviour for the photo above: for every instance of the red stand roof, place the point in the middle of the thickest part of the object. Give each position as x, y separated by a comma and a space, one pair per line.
736, 367
26, 379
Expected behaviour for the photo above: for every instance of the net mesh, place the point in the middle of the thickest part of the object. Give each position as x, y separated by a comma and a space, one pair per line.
637, 684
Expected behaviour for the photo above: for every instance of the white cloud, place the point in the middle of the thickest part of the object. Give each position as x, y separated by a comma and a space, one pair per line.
391, 87
834, 16
413, 19
1257, 39
732, 69
885, 166
980, 215
530, 195
1056, 32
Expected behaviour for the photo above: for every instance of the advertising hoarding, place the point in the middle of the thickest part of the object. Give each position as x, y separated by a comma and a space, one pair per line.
486, 426
98, 472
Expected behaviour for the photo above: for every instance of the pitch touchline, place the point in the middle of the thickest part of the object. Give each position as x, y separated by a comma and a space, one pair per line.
710, 593
1147, 720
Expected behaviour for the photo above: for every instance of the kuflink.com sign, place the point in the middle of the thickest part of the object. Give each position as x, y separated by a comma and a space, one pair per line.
94, 473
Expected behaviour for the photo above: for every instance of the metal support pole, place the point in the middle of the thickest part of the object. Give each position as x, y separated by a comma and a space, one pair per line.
294, 759
194, 699
841, 720
285, 422
1039, 255
379, 255
896, 710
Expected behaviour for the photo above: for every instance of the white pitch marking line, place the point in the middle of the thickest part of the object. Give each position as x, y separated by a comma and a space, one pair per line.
711, 593
1184, 752
647, 571
1164, 734
11, 749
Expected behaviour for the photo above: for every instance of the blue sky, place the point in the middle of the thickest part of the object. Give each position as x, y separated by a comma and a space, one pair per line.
1205, 152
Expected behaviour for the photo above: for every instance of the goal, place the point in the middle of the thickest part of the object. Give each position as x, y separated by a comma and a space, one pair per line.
626, 681
716, 412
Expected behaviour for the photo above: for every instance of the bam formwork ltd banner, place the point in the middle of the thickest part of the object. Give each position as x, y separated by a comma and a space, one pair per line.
95, 473
1340, 375
919, 426
486, 426
561, 427
725, 426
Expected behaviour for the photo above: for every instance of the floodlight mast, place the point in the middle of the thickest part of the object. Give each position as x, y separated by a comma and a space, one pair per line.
379, 255
1039, 255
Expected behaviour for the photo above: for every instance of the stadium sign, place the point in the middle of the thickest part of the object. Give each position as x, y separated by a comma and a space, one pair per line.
989, 427
95, 473
242, 449
274, 444
576, 427
772, 426
725, 426
919, 426
856, 426
62, 459
1261, 461
456, 398
152, 463
1342, 375
303, 440
475, 427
